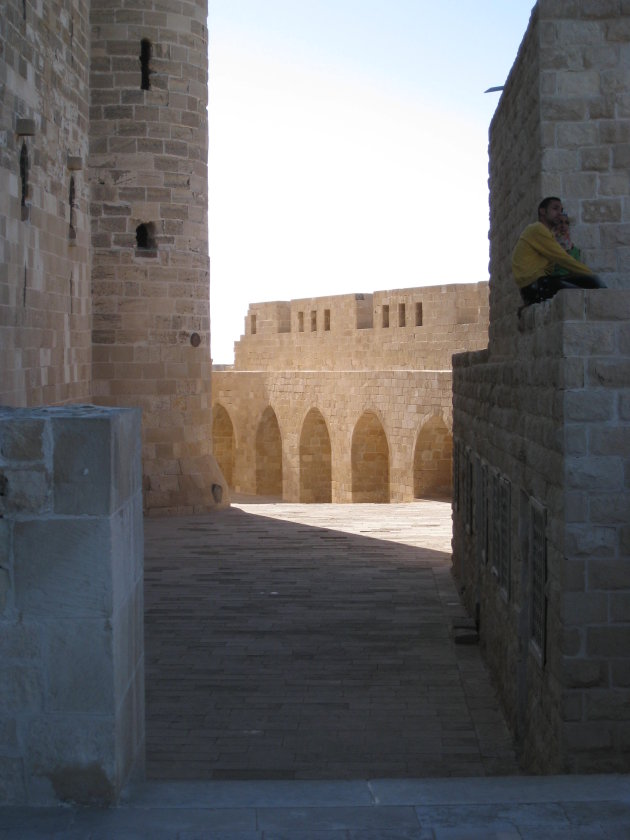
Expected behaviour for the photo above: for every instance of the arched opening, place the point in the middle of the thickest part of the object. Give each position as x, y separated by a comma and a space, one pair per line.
315, 459
268, 455
370, 461
432, 462
223, 442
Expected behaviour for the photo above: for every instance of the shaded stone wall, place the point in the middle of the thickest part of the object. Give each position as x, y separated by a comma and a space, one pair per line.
45, 304
541, 421
71, 604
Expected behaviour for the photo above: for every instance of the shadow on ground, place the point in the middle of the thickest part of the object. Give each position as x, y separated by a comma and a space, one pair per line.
277, 649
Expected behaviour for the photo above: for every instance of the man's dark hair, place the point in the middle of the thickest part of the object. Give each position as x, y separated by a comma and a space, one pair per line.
547, 201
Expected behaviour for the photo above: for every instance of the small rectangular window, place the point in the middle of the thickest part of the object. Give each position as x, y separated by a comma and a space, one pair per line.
300, 322
385, 315
253, 324
327, 320
418, 314
401, 315
314, 320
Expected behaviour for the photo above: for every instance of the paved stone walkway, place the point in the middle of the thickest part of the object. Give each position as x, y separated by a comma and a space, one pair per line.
349, 668
312, 642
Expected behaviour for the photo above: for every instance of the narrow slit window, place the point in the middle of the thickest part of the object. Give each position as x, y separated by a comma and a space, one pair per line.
72, 231
327, 320
314, 320
145, 59
385, 315
401, 315
418, 314
300, 322
24, 179
253, 324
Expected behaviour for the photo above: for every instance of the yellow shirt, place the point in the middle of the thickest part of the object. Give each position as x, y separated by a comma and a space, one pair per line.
537, 253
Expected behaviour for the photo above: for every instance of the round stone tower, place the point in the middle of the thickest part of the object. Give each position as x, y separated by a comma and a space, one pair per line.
150, 273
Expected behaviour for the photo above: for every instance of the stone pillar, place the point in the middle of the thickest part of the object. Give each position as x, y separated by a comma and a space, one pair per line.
150, 277
71, 604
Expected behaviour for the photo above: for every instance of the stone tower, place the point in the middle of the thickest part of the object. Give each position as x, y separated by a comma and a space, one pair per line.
149, 236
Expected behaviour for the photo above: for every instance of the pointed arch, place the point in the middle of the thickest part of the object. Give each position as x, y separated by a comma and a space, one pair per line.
223, 442
268, 455
370, 460
432, 461
315, 459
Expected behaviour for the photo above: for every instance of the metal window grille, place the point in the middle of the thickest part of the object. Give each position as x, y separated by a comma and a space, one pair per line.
501, 542
467, 500
456, 452
538, 567
481, 511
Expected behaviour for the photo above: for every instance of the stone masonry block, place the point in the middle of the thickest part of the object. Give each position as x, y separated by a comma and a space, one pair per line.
580, 608
608, 304
588, 541
20, 641
589, 405
62, 567
605, 705
585, 673
5, 589
21, 440
21, 688
595, 474
587, 338
611, 508
82, 465
71, 757
12, 784
620, 607
611, 374
611, 642
581, 736
79, 666
26, 491
608, 574
612, 440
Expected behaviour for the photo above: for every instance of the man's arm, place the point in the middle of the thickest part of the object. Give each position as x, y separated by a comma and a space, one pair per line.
543, 241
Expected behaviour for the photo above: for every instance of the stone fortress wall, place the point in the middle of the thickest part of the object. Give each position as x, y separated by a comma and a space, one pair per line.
346, 398
103, 299
104, 273
541, 540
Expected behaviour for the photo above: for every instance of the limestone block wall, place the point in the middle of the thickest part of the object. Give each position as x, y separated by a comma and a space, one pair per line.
71, 604
340, 436
541, 540
150, 277
540, 424
45, 305
562, 128
417, 328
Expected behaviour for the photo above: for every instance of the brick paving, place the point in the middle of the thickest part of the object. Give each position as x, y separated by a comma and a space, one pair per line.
292, 641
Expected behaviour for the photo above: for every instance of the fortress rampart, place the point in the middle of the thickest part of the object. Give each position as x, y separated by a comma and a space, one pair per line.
541, 543
346, 398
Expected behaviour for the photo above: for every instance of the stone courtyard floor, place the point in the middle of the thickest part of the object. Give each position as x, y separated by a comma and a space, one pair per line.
303, 684
288, 641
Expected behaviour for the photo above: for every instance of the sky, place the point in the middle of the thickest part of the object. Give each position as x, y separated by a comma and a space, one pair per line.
348, 146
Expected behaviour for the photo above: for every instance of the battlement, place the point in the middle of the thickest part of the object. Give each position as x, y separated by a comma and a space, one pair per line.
417, 328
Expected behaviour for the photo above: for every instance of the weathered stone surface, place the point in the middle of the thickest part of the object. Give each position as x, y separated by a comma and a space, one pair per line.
62, 567
80, 663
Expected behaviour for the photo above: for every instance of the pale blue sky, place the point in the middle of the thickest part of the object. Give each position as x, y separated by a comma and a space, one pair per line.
348, 146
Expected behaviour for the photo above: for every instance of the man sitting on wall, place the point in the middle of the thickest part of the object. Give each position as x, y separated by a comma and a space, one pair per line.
538, 255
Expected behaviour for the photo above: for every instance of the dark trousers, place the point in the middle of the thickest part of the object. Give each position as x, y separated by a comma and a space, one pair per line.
549, 285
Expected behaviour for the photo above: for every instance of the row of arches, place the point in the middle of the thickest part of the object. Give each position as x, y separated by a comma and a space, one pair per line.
369, 457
